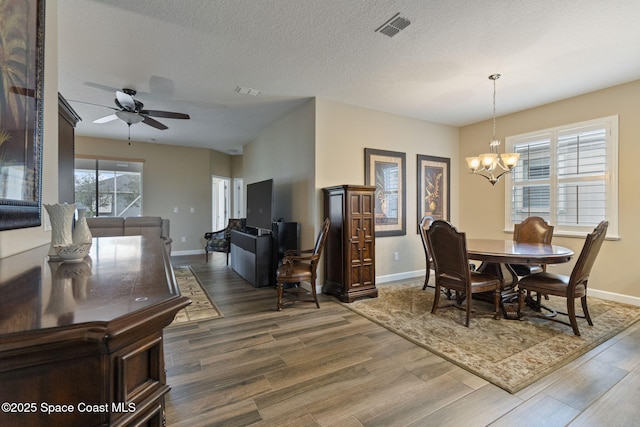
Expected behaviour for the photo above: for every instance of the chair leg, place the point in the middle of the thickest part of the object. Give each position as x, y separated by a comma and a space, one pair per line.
466, 322
571, 312
521, 294
279, 303
585, 310
436, 299
227, 258
314, 293
426, 279
496, 299
206, 255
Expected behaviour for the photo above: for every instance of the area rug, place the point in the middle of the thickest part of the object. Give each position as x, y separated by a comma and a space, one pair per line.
202, 306
508, 353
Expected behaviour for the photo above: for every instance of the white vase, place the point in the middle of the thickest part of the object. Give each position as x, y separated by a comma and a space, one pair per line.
81, 232
61, 218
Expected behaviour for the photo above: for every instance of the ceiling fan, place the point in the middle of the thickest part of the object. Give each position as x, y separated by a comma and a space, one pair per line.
131, 111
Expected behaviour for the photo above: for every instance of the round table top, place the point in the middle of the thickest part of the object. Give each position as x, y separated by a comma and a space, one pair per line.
509, 251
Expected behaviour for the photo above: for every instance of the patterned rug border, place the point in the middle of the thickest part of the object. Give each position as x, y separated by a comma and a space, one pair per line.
570, 354
190, 311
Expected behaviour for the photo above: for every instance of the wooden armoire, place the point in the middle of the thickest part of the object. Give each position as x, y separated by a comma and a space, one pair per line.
349, 267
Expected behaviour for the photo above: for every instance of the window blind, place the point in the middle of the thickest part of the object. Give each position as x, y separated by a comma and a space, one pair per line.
566, 175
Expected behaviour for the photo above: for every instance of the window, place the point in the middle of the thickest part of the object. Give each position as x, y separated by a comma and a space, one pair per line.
566, 175
109, 187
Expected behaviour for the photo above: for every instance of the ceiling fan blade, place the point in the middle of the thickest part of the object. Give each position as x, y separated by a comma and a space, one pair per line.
106, 119
91, 103
165, 114
153, 123
126, 101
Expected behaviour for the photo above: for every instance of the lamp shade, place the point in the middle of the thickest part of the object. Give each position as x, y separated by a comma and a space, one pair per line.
488, 160
473, 163
510, 160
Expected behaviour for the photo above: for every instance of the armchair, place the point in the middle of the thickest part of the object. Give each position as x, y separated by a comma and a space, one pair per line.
220, 241
301, 265
570, 287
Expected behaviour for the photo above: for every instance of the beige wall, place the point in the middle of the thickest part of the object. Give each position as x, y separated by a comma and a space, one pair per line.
15, 241
344, 131
284, 152
173, 177
482, 207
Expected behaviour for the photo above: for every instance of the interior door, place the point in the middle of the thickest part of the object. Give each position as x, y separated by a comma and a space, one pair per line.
220, 201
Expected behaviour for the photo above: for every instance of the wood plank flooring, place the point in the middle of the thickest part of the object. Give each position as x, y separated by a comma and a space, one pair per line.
331, 367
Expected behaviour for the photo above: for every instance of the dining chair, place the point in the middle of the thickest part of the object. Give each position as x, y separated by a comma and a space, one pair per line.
448, 249
425, 222
300, 266
569, 287
533, 229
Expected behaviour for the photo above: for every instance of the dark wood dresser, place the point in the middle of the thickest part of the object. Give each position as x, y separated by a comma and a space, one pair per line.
81, 344
350, 249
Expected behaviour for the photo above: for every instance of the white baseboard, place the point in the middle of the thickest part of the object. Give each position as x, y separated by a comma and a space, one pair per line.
400, 276
612, 296
190, 252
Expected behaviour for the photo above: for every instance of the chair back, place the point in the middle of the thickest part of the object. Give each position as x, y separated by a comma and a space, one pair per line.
425, 223
533, 230
320, 242
234, 224
448, 249
587, 258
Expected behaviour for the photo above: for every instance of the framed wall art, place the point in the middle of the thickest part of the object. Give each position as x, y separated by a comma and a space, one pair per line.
434, 180
21, 113
386, 170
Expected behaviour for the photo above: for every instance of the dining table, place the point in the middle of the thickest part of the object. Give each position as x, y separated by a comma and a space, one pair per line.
497, 256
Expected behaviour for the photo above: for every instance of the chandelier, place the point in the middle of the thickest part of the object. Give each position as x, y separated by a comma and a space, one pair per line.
491, 165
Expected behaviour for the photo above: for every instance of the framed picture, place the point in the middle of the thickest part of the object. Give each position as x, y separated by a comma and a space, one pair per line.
21, 113
387, 172
433, 187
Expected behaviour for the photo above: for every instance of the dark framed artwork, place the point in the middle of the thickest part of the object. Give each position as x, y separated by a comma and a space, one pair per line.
434, 180
21, 112
386, 170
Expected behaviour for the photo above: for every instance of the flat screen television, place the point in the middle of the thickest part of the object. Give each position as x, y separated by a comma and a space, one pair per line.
260, 204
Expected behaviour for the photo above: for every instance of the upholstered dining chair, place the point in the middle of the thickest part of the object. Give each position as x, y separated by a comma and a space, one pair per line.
220, 241
569, 287
448, 249
533, 229
300, 266
425, 222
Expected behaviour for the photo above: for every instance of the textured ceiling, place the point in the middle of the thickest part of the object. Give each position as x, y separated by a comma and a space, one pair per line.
190, 55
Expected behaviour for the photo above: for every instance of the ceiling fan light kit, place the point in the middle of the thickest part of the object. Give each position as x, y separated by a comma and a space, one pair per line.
129, 117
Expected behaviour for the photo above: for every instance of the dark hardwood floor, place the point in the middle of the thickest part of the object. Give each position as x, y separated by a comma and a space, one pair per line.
331, 367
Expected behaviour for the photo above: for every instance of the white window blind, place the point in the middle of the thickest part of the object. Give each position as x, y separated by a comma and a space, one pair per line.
566, 175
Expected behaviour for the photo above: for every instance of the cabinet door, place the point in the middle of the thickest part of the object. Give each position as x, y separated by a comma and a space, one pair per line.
362, 239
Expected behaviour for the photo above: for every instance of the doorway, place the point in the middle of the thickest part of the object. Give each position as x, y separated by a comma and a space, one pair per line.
219, 202
238, 198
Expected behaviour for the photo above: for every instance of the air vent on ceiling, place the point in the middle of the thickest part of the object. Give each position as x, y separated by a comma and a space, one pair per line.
248, 91
394, 25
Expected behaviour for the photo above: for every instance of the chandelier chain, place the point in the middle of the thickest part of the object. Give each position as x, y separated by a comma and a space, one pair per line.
494, 108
